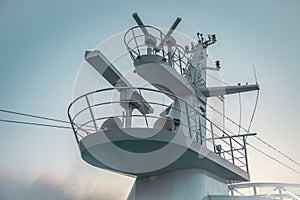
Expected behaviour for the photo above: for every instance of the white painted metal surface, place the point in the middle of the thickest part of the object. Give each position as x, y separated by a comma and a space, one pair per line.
189, 184
199, 171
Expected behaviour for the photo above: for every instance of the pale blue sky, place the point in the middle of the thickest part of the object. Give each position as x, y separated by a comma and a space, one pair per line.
41, 49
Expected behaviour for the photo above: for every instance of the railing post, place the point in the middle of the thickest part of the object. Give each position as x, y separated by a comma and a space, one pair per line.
72, 125
231, 191
231, 149
137, 46
180, 64
213, 136
128, 117
200, 132
245, 153
254, 191
92, 115
144, 109
280, 193
188, 119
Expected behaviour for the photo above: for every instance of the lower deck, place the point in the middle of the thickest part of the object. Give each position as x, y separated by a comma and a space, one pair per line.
121, 150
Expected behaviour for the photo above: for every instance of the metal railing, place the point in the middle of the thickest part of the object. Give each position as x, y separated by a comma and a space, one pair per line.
280, 191
138, 44
88, 112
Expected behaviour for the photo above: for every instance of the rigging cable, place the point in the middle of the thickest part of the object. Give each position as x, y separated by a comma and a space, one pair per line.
258, 138
262, 152
280, 162
65, 127
240, 120
254, 110
256, 101
269, 156
223, 98
278, 151
34, 124
34, 116
211, 76
250, 124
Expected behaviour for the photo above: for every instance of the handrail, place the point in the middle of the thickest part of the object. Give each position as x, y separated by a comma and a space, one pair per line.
134, 45
279, 191
83, 121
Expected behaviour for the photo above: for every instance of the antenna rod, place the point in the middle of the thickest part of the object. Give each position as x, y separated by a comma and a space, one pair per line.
169, 33
140, 23
174, 25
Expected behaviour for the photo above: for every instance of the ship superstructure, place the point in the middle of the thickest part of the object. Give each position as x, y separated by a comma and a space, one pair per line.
161, 134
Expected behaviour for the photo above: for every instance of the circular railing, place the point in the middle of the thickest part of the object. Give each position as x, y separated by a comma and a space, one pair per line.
137, 42
88, 112
155, 43
104, 108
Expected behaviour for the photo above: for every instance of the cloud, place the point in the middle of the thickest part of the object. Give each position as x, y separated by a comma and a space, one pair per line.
13, 188
53, 187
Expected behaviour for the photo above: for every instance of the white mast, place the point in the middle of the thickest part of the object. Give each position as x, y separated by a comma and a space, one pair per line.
169, 154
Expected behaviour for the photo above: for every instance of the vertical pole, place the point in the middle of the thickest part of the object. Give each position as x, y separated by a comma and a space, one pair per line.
231, 191
143, 103
200, 130
245, 152
280, 193
180, 63
170, 57
149, 50
213, 136
231, 148
136, 44
72, 125
188, 119
254, 191
128, 108
92, 115
123, 119
128, 117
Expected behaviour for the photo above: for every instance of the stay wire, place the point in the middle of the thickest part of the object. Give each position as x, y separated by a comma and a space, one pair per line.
34, 116
240, 120
254, 110
250, 124
258, 138
265, 154
278, 151
34, 124
276, 160
211, 76
256, 101
37, 117
65, 127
